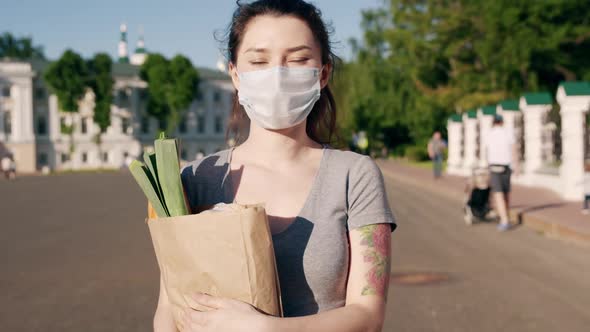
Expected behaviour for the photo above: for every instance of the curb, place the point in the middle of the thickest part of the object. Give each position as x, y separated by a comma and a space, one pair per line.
536, 223
550, 229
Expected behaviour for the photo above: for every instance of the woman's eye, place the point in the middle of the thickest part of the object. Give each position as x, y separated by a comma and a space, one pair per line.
300, 60
255, 63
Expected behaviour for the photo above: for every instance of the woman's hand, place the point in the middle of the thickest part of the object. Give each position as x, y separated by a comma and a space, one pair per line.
225, 315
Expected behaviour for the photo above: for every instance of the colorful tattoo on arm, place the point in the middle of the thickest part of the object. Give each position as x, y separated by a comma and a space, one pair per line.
376, 242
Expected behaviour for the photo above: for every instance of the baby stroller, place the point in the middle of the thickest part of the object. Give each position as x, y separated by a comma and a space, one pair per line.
477, 196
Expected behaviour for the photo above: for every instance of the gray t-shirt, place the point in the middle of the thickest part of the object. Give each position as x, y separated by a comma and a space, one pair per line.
437, 146
312, 253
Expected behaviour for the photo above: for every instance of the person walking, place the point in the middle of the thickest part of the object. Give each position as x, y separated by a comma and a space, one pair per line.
363, 143
586, 186
502, 158
436, 147
327, 209
12, 168
8, 167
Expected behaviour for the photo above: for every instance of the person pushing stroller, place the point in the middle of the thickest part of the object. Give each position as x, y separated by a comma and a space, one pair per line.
502, 157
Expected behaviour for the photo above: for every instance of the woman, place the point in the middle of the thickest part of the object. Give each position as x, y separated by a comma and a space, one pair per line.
328, 211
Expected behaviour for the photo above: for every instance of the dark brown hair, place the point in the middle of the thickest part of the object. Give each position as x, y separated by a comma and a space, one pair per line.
321, 122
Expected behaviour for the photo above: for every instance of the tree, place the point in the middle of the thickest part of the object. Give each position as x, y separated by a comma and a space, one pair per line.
155, 72
101, 82
68, 78
420, 61
183, 87
172, 86
19, 48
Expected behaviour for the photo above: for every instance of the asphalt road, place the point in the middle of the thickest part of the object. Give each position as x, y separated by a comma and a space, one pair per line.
76, 255
515, 281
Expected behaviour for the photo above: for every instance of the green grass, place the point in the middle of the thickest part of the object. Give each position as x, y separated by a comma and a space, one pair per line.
422, 164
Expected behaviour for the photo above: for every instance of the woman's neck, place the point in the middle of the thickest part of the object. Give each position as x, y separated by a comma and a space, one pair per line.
271, 146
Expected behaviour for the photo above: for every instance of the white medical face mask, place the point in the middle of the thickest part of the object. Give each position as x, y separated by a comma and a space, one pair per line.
279, 97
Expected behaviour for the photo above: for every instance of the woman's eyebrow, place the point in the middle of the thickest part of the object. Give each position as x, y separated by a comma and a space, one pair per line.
289, 50
298, 48
256, 50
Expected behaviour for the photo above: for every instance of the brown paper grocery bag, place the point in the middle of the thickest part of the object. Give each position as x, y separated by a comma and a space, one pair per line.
223, 253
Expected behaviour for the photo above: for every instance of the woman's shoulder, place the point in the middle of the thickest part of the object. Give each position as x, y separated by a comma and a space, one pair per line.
358, 169
208, 167
351, 161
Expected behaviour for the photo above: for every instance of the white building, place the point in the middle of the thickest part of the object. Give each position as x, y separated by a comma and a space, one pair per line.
30, 120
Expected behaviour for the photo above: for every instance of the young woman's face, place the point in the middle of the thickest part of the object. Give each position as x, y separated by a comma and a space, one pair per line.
271, 41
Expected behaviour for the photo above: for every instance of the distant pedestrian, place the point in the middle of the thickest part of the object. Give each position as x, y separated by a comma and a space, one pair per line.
12, 168
501, 153
354, 142
586, 184
436, 147
8, 167
363, 142
5, 165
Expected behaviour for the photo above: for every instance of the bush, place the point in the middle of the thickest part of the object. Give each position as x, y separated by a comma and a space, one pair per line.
398, 150
416, 153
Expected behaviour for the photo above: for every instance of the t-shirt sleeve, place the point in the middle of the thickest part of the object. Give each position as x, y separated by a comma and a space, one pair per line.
367, 199
188, 178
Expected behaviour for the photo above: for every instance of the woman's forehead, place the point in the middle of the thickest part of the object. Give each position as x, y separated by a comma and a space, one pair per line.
276, 33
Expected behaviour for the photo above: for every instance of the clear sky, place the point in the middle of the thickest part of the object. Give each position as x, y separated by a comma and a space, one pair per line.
171, 27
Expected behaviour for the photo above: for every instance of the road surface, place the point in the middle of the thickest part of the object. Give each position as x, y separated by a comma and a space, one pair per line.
76, 256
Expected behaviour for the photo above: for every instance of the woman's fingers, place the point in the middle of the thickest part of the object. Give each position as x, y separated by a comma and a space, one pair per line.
209, 301
192, 320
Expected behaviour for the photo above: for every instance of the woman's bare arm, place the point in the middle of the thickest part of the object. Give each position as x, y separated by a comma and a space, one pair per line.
368, 283
163, 319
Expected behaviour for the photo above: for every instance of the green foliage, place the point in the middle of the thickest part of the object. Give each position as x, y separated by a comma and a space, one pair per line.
70, 76
172, 86
155, 72
416, 153
19, 48
101, 82
67, 130
420, 61
184, 82
67, 77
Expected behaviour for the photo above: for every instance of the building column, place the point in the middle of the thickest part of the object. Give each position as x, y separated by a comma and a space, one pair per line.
508, 107
54, 123
509, 119
510, 111
16, 114
455, 145
572, 157
486, 119
513, 121
470, 143
22, 141
534, 118
573, 121
27, 133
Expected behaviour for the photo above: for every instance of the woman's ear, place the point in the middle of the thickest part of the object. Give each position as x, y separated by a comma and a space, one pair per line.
325, 75
233, 72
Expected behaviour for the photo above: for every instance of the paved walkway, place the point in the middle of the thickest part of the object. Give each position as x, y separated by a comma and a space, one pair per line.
540, 209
